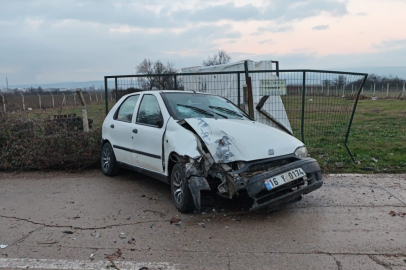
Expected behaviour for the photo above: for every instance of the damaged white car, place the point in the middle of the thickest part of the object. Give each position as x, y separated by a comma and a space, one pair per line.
196, 141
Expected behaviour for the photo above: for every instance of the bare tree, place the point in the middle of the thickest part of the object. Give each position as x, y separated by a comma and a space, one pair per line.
152, 70
222, 57
341, 81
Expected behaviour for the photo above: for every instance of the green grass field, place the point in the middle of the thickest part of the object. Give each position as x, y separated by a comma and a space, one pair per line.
377, 139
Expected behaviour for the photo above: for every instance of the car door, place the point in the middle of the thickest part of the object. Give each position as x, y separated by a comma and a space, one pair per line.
149, 128
120, 129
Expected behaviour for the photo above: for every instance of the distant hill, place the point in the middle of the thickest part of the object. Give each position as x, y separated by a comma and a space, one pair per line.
96, 84
399, 71
381, 71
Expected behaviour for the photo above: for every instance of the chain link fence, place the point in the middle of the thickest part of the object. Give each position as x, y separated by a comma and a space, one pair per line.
18, 102
316, 107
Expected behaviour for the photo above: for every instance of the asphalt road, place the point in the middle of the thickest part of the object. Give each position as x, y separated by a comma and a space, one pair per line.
89, 221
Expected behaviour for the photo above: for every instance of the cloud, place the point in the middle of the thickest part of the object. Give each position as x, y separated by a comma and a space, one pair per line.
267, 41
391, 44
272, 29
219, 12
299, 9
321, 27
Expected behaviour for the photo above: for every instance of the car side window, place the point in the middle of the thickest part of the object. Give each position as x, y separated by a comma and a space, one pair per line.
126, 110
149, 112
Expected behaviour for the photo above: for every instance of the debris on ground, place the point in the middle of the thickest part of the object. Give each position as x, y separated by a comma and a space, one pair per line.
68, 232
400, 214
202, 224
143, 268
122, 235
3, 246
114, 256
92, 256
161, 214
131, 241
96, 234
175, 221
339, 164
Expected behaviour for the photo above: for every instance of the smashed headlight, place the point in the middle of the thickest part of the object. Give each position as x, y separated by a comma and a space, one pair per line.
301, 152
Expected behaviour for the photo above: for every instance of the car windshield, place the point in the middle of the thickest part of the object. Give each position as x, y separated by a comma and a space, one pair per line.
195, 105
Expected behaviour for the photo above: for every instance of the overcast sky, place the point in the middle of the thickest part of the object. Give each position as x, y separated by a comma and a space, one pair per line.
46, 41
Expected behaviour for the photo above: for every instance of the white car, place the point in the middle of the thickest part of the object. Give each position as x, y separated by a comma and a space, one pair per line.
196, 141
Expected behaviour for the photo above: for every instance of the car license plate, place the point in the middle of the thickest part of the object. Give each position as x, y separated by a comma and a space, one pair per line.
284, 178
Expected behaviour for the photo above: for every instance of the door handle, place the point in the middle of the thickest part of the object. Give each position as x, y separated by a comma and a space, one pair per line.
112, 126
135, 130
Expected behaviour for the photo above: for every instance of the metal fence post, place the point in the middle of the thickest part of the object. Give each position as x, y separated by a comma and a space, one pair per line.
238, 91
352, 117
116, 90
74, 98
175, 83
22, 96
303, 106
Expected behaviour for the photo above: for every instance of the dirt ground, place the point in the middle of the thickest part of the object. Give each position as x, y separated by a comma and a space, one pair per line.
89, 221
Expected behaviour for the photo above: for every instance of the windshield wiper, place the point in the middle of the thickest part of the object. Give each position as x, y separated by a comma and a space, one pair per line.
226, 110
211, 113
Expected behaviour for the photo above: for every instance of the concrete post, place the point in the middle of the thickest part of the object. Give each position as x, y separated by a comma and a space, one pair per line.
53, 101
39, 98
4, 103
84, 110
387, 91
22, 96
63, 100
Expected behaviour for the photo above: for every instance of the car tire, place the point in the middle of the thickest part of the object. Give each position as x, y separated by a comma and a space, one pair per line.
108, 161
182, 197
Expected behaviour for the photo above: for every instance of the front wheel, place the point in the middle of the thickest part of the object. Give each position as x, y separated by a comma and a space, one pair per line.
181, 194
108, 161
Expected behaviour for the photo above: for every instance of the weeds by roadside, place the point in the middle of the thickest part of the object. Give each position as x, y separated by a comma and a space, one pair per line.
42, 143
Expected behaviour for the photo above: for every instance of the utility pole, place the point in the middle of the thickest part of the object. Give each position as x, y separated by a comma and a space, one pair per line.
7, 84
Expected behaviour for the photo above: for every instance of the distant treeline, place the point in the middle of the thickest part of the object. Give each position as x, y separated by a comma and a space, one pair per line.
383, 80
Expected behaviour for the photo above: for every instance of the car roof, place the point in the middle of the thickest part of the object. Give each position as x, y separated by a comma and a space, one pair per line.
167, 91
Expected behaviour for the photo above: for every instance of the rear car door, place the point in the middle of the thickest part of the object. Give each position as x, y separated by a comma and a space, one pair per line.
120, 130
149, 128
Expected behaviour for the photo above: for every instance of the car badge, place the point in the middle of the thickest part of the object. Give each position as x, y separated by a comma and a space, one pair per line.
270, 152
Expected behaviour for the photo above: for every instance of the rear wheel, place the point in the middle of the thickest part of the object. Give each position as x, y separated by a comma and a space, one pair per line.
108, 161
182, 197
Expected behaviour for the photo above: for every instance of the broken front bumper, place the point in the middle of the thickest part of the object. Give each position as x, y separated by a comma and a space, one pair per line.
289, 192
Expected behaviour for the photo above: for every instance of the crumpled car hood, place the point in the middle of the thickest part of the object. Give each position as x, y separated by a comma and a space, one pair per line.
231, 140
